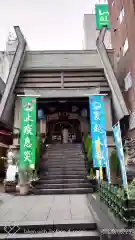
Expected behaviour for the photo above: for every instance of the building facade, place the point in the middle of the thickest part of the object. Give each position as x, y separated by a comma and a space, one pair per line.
91, 33
122, 18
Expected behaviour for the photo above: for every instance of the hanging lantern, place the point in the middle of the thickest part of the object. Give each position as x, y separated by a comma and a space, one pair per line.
84, 112
41, 115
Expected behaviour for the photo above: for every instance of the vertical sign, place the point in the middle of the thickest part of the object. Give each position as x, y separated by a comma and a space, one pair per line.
28, 133
102, 16
98, 133
119, 147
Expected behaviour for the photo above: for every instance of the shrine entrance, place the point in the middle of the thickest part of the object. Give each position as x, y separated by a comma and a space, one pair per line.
63, 119
64, 129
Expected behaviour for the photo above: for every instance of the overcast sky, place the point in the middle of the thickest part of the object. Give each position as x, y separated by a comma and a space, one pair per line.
46, 24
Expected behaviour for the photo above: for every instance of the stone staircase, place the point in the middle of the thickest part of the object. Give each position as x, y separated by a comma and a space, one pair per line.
75, 230
66, 172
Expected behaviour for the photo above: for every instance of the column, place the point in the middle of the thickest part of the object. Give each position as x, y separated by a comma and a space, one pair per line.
17, 121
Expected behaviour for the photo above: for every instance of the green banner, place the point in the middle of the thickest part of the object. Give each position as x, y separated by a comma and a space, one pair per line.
102, 16
28, 133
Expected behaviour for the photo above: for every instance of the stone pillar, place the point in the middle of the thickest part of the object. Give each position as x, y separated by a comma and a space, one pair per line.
43, 126
17, 121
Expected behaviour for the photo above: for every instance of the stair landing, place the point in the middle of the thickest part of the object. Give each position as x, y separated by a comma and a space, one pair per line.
64, 214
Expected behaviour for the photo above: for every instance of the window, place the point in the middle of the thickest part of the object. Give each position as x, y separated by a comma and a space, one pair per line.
128, 81
134, 4
125, 47
112, 3
121, 16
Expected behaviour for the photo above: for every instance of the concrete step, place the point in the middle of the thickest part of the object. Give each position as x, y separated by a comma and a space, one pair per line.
69, 152
68, 168
65, 166
61, 157
62, 186
73, 150
51, 173
54, 176
77, 235
64, 145
49, 226
62, 191
61, 181
80, 166
69, 163
59, 169
66, 161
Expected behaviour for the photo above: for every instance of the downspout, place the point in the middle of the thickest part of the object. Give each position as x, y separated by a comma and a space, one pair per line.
117, 97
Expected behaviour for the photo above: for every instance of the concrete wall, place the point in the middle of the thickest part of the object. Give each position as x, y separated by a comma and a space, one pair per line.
4, 66
91, 34
64, 60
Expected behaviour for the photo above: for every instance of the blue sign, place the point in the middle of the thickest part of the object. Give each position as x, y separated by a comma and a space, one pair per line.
119, 147
98, 132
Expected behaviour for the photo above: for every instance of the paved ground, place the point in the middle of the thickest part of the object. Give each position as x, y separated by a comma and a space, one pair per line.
49, 208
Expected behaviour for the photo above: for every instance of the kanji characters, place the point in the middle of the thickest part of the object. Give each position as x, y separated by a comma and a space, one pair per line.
98, 128
28, 107
27, 143
27, 156
96, 115
28, 129
96, 106
28, 118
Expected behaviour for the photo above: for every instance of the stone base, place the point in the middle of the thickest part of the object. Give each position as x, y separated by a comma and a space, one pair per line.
24, 189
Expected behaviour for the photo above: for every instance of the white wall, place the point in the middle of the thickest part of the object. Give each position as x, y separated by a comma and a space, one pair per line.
4, 66
91, 34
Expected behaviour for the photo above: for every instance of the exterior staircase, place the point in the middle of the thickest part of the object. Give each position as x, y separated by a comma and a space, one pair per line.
74, 230
64, 171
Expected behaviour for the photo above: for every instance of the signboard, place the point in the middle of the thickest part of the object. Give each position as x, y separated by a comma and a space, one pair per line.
98, 133
28, 133
62, 116
119, 147
102, 16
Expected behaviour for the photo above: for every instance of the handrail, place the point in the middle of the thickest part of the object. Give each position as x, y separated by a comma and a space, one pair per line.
118, 100
14, 72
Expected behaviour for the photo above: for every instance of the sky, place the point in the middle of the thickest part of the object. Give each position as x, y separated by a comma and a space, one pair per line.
46, 24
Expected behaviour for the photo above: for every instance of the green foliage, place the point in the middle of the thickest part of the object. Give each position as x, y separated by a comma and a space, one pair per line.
114, 162
89, 153
131, 192
88, 147
92, 175
133, 182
